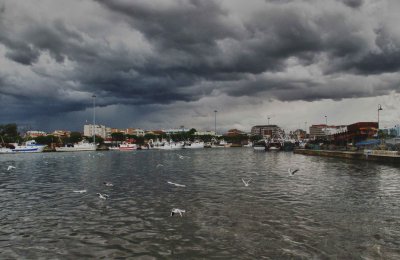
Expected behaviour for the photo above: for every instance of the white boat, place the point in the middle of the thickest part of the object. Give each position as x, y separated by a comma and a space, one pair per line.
260, 145
194, 145
171, 145
165, 145
249, 144
6, 150
28, 147
222, 144
127, 146
81, 146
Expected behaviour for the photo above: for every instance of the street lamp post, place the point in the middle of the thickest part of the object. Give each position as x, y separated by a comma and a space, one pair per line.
326, 126
268, 120
305, 127
215, 122
379, 109
94, 119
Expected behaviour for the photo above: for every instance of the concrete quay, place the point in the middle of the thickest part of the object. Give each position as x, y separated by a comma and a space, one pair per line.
366, 155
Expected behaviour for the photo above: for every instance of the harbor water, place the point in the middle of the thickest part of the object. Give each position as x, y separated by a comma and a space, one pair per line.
330, 209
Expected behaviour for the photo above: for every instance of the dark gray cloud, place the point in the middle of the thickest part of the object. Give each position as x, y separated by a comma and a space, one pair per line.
151, 53
353, 3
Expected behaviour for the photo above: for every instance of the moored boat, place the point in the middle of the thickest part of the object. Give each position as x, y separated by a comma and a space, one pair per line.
81, 146
6, 150
125, 146
260, 146
194, 145
28, 147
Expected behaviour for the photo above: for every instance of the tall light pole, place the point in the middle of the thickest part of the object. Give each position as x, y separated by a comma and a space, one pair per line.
215, 121
379, 109
305, 127
268, 120
94, 119
326, 126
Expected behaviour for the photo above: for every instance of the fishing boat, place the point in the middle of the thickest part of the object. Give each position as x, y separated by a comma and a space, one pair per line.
80, 146
193, 145
125, 146
28, 147
6, 150
260, 145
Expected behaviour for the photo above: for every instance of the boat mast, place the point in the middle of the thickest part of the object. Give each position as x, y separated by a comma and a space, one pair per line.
94, 119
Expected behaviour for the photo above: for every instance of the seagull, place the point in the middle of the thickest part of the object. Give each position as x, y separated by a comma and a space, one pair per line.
159, 165
246, 183
102, 196
176, 184
79, 191
178, 211
108, 184
181, 156
292, 172
10, 167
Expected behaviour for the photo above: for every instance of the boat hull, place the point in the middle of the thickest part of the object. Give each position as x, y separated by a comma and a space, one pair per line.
28, 149
76, 148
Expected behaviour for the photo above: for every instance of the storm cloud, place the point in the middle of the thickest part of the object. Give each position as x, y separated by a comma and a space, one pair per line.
146, 56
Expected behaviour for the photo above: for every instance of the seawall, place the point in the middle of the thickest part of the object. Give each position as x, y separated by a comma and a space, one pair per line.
367, 155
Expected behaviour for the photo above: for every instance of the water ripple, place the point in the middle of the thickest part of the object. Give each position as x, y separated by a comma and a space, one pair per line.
330, 209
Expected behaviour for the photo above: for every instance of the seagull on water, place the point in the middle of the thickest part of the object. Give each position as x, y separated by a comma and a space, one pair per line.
292, 172
10, 167
177, 211
176, 184
159, 165
79, 191
246, 183
181, 156
102, 196
108, 184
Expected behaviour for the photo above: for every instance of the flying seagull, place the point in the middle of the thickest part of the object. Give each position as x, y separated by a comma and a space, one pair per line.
108, 184
10, 167
246, 183
292, 172
178, 211
102, 196
79, 191
176, 184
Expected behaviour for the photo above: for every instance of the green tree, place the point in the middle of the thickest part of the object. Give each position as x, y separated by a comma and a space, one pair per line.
99, 139
47, 140
255, 138
9, 133
75, 137
118, 136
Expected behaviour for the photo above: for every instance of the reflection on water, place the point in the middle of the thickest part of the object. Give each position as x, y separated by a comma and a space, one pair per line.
330, 209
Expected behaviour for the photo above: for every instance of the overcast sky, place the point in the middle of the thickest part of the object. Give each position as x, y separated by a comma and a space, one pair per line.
163, 64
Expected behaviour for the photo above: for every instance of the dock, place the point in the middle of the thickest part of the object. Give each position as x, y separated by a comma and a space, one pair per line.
366, 155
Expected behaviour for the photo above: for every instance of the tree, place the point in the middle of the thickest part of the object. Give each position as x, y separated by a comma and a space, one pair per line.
255, 138
47, 140
75, 137
118, 136
99, 139
9, 133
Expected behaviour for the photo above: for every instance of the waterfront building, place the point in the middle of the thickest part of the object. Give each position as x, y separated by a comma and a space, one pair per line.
99, 130
61, 133
234, 132
203, 133
176, 130
34, 134
299, 134
357, 132
266, 131
134, 131
154, 132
